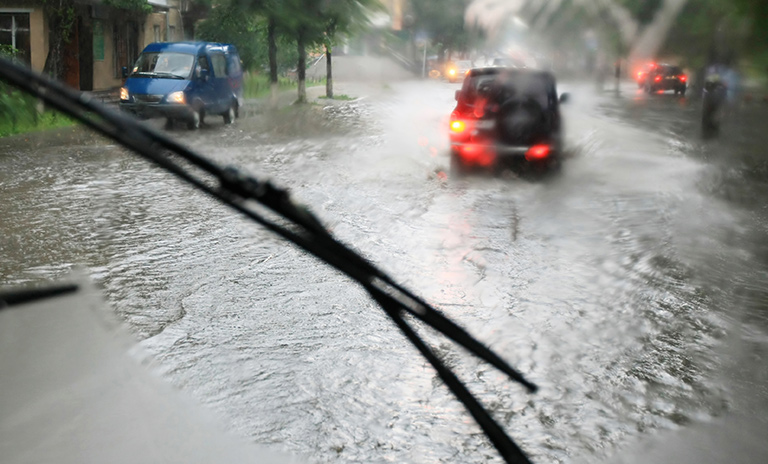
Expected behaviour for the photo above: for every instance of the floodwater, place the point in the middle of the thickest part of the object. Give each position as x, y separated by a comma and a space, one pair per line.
631, 286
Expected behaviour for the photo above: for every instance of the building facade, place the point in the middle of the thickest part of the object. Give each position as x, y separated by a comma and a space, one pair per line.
101, 40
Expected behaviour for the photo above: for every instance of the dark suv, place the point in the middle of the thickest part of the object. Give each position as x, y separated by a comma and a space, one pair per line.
666, 77
506, 116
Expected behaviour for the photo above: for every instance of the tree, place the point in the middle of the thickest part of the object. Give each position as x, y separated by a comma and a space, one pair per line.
61, 18
302, 20
342, 17
443, 22
228, 23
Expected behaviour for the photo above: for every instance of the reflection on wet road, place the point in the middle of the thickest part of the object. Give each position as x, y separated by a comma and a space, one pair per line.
630, 286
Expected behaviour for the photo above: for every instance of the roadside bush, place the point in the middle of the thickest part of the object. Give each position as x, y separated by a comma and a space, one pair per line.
20, 112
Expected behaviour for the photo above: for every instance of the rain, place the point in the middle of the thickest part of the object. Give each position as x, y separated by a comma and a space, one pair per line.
624, 274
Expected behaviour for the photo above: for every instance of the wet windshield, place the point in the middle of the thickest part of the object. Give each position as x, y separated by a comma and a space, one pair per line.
628, 282
173, 65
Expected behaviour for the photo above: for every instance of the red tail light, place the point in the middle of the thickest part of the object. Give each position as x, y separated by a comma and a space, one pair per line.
657, 79
458, 126
640, 74
683, 78
537, 152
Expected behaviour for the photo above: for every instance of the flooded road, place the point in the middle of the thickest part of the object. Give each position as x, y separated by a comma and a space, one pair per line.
631, 287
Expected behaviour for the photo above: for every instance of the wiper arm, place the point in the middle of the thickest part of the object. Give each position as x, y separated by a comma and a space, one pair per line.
256, 199
157, 74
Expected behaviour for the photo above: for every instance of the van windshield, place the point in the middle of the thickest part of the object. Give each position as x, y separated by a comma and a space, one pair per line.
163, 64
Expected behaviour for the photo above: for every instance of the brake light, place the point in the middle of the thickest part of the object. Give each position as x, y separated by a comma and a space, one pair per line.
458, 126
683, 78
657, 79
640, 74
537, 152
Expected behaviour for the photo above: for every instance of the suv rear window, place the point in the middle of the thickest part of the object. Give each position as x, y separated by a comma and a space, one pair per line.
503, 86
674, 70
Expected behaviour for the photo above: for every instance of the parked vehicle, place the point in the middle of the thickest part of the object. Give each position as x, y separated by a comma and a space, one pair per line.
506, 116
185, 81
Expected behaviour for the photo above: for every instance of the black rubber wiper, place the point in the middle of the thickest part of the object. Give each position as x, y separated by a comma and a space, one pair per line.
167, 75
157, 74
273, 208
17, 297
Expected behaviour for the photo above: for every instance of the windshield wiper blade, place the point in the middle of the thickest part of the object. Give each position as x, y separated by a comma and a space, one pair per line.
295, 223
156, 74
168, 74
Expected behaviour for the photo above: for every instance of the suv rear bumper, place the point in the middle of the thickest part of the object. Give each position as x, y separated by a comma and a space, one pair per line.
488, 154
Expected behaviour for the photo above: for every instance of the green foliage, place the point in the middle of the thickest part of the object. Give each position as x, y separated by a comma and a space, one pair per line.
642, 10
711, 30
442, 22
258, 85
62, 12
230, 23
137, 6
341, 97
18, 111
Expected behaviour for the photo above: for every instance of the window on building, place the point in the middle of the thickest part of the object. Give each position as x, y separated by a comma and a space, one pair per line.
14, 32
98, 40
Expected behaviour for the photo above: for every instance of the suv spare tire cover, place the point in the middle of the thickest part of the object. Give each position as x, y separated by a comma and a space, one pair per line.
521, 121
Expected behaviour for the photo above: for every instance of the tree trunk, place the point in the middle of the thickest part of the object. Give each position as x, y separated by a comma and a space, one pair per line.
328, 72
61, 17
272, 52
302, 71
54, 62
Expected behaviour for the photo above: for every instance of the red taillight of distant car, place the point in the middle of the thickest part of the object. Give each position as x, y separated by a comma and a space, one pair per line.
683, 78
537, 152
458, 126
657, 79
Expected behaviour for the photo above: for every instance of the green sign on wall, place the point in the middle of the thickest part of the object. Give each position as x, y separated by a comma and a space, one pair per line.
98, 40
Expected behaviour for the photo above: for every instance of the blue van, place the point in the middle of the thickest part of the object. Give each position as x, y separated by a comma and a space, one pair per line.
184, 81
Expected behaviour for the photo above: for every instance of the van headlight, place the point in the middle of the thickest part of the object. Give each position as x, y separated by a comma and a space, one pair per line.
176, 97
124, 95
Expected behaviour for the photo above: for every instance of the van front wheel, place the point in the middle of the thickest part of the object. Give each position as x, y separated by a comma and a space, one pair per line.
230, 115
193, 123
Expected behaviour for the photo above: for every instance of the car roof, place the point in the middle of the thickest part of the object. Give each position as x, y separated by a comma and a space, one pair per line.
512, 72
193, 48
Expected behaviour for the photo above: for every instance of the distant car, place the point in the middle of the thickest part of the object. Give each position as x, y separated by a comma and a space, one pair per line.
506, 116
666, 77
455, 72
184, 81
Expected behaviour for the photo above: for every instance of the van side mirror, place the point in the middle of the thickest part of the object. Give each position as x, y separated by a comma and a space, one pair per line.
564, 97
456, 95
125, 72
